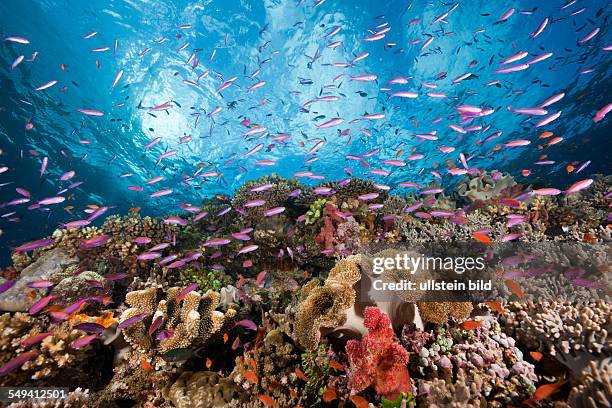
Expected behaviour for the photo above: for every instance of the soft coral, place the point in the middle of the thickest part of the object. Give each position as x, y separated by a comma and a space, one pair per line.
378, 360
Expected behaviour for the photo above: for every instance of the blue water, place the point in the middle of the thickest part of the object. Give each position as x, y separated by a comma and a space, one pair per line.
276, 37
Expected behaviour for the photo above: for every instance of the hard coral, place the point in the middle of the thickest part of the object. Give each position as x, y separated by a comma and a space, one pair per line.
191, 320
378, 360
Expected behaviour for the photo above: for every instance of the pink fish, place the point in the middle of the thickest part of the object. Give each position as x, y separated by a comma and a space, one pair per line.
602, 113
157, 323
589, 35
368, 197
274, 211
514, 68
548, 119
37, 338
540, 28
580, 185
546, 191
330, 123
90, 112
148, 255
18, 40
44, 164
247, 249
254, 203
161, 193
216, 242
516, 143
45, 86
117, 78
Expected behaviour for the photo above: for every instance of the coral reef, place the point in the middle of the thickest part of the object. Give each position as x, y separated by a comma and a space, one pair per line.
241, 309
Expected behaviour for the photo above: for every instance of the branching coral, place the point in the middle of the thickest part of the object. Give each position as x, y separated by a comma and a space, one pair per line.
55, 352
594, 388
563, 329
201, 389
377, 360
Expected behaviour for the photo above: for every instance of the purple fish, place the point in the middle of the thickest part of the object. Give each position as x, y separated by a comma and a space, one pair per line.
185, 291
274, 211
164, 334
89, 327
216, 242
247, 324
587, 283
148, 256
116, 276
41, 304
37, 338
75, 306
157, 323
131, 321
159, 247
17, 362
7, 285
83, 341
40, 284
41, 243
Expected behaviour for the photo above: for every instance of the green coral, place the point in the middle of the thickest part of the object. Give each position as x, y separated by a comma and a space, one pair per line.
315, 211
206, 279
316, 367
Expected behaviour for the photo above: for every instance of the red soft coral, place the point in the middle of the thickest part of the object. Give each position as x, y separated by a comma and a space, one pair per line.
377, 360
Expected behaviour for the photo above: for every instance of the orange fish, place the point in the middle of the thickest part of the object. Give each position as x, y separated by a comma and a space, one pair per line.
525, 172
546, 390
225, 338
329, 395
471, 325
536, 355
134, 209
497, 306
293, 393
63, 67
68, 207
251, 376
146, 366
399, 153
359, 402
555, 141
253, 363
336, 365
301, 374
515, 288
480, 237
570, 168
208, 363
267, 400
546, 134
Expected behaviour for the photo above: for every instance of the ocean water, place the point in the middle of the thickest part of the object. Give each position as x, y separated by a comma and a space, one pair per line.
286, 48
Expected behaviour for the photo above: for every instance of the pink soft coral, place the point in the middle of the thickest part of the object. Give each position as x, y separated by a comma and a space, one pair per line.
377, 360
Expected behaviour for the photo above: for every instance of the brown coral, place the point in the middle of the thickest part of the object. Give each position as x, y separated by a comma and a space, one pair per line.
438, 312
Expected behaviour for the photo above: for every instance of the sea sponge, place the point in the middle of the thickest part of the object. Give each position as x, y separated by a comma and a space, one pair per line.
438, 312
